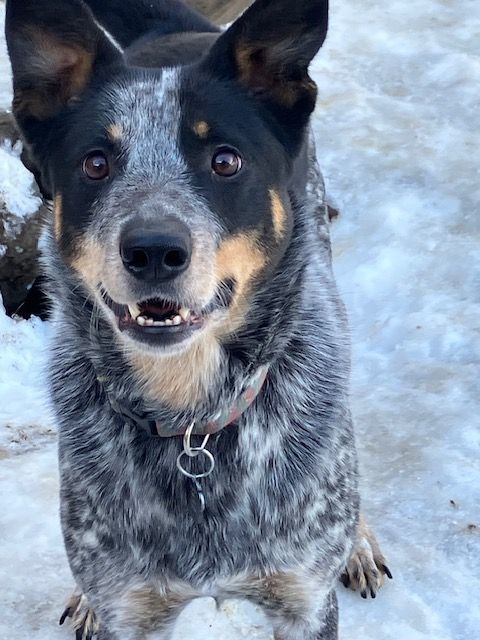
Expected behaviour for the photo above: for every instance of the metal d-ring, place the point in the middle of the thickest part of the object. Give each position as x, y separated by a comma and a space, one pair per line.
193, 452
196, 451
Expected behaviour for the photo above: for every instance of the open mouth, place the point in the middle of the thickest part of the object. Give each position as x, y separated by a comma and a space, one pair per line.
159, 313
156, 320
163, 322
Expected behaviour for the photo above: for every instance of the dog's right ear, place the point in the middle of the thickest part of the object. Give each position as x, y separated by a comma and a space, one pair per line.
55, 48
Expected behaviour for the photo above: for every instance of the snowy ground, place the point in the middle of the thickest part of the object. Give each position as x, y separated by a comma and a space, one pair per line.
398, 133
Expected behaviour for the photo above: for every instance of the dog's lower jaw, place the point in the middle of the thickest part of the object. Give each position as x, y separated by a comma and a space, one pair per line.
178, 377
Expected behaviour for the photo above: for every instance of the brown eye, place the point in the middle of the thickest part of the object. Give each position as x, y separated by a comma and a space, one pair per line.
95, 166
226, 162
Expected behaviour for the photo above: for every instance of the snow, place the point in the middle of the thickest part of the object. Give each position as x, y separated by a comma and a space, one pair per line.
16, 185
398, 135
26, 419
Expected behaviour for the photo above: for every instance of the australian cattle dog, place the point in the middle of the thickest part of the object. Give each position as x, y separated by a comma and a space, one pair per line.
200, 362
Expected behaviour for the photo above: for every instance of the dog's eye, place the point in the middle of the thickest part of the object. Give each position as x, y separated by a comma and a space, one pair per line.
95, 166
226, 162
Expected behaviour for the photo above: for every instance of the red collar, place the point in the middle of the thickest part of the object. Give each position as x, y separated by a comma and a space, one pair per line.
226, 416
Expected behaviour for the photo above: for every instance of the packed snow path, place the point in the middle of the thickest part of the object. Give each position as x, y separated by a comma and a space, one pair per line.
398, 135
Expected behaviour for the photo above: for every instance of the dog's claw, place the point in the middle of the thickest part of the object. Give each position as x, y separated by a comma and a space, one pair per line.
66, 614
387, 572
84, 620
345, 580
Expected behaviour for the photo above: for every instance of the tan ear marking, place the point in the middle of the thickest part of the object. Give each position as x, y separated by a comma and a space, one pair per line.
259, 71
201, 129
61, 73
278, 215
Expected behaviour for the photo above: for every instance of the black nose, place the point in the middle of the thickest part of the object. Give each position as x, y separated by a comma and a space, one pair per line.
158, 253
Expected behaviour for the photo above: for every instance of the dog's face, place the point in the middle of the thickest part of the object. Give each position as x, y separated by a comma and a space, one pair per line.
169, 185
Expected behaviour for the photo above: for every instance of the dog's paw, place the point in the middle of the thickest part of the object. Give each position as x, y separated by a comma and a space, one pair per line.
83, 619
366, 568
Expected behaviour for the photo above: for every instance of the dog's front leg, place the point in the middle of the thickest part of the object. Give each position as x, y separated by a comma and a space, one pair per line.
147, 611
318, 624
300, 604
144, 612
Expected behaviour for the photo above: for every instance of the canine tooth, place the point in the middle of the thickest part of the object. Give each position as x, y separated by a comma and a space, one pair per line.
168, 322
135, 310
141, 321
176, 320
184, 313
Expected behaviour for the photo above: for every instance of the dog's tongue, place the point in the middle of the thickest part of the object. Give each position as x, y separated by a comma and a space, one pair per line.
157, 309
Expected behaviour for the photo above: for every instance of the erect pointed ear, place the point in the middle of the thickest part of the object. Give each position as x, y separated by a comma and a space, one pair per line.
268, 50
54, 46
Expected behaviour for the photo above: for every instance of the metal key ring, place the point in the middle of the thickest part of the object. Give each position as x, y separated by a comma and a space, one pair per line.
196, 451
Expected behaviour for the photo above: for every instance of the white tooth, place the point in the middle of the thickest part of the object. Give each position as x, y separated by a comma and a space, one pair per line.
177, 320
159, 323
168, 322
141, 321
184, 313
149, 322
134, 310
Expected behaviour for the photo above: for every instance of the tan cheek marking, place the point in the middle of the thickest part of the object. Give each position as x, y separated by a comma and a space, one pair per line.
88, 261
239, 257
115, 132
201, 129
57, 215
278, 215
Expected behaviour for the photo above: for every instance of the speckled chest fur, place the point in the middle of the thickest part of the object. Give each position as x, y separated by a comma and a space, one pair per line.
187, 249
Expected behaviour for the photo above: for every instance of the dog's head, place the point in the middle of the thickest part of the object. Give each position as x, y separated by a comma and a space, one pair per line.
169, 185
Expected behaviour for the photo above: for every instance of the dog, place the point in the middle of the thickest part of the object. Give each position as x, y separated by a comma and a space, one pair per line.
199, 369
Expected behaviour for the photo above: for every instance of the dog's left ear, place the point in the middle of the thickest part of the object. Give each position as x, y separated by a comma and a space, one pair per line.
268, 51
